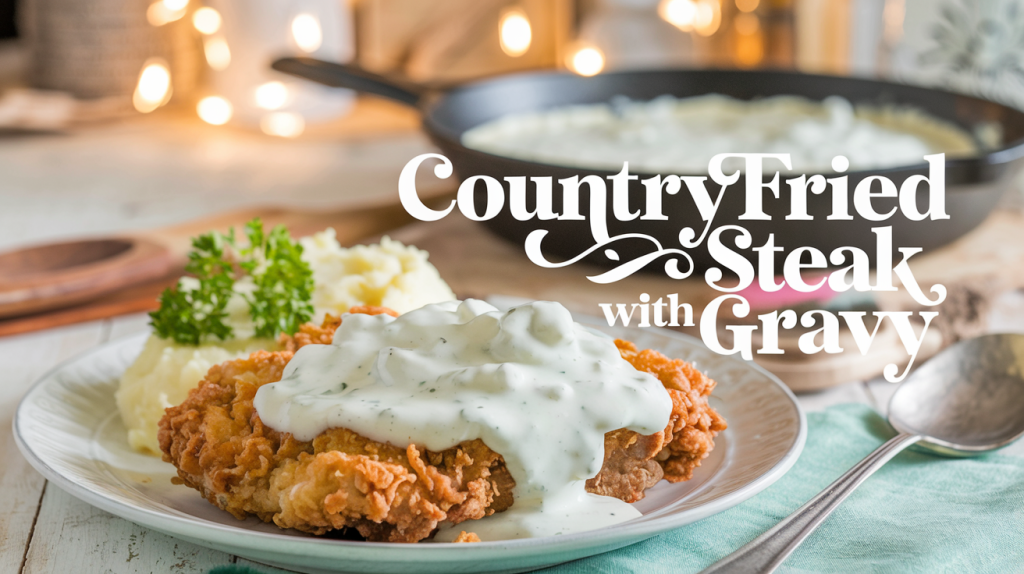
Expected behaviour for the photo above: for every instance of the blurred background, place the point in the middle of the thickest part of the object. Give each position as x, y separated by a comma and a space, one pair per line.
163, 110
64, 63
127, 116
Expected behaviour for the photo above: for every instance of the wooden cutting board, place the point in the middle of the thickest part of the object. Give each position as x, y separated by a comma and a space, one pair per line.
165, 253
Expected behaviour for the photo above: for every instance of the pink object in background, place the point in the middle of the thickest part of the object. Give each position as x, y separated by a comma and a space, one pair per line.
787, 296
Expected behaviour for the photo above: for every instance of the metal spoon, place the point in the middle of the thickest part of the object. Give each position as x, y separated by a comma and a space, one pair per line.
967, 400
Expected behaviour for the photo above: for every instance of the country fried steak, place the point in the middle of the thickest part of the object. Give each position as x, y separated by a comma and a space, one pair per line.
341, 479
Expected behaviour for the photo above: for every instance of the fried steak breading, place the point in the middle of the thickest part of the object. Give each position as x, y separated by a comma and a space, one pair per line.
692, 428
341, 479
635, 462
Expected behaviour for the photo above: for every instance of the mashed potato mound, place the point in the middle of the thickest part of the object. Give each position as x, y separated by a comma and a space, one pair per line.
163, 375
389, 274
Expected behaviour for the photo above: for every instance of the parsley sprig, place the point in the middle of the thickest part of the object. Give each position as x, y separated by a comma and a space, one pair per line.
196, 310
284, 282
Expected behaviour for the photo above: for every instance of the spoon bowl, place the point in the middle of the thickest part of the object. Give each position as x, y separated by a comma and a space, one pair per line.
968, 399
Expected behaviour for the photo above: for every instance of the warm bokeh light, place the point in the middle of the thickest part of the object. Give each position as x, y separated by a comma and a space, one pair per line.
587, 61
307, 33
679, 13
748, 45
206, 20
272, 95
159, 14
283, 124
747, 24
175, 5
215, 110
515, 33
154, 87
218, 55
708, 17
747, 5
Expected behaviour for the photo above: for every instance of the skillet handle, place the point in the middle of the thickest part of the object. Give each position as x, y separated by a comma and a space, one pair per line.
343, 76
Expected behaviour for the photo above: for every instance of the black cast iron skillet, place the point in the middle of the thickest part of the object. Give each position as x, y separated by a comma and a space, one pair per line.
973, 185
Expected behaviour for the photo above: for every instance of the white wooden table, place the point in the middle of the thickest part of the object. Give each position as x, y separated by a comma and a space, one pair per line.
120, 178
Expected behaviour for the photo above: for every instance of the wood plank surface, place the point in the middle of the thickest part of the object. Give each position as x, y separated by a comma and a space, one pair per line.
22, 361
128, 325
72, 536
68, 535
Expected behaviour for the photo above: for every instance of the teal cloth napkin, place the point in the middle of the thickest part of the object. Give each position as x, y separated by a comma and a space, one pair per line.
919, 513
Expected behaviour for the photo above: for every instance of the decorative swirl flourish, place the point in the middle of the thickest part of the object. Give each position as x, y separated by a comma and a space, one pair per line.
533, 251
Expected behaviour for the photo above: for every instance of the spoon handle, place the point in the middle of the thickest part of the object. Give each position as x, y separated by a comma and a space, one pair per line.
763, 554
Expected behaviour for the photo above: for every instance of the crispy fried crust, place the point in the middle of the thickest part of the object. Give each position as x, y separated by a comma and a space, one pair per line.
310, 334
635, 462
340, 479
467, 537
692, 428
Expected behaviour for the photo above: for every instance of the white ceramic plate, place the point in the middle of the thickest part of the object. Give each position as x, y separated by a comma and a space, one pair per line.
69, 429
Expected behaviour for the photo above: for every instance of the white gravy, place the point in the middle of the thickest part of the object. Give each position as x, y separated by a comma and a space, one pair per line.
536, 387
681, 135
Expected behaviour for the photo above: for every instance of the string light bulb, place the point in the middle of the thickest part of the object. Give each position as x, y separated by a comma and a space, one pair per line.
679, 13
215, 110
307, 33
271, 95
207, 20
217, 52
586, 61
159, 13
283, 124
708, 17
515, 33
154, 86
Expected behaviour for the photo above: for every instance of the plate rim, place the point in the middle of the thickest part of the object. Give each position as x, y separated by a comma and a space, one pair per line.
205, 532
